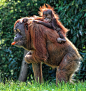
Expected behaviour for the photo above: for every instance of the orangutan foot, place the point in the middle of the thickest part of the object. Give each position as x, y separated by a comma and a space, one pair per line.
60, 40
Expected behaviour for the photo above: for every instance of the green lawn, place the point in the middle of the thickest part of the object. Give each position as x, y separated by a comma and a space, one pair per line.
22, 86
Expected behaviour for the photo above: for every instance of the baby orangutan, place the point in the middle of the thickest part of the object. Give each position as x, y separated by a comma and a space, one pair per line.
50, 20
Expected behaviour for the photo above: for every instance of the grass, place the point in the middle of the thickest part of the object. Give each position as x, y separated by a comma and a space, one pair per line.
23, 86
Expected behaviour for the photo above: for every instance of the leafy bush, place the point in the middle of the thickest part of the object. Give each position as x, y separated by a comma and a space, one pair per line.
73, 17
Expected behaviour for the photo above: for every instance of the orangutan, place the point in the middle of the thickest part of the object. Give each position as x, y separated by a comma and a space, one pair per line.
42, 43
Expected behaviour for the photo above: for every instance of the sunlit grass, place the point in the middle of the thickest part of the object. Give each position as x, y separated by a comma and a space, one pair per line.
23, 86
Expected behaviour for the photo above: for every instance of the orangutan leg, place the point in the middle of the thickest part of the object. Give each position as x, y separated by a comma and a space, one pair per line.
37, 69
61, 75
66, 68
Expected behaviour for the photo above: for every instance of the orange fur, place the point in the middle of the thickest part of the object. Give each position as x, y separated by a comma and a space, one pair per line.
47, 7
39, 42
45, 47
38, 39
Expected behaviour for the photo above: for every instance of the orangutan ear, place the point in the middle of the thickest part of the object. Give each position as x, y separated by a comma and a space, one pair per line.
25, 20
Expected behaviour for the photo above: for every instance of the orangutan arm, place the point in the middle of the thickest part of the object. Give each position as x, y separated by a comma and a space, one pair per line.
49, 25
55, 25
39, 18
59, 31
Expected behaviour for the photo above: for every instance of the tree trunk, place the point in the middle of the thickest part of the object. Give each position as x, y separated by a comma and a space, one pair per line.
24, 69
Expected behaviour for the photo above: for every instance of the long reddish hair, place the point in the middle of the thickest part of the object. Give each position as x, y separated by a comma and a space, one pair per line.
36, 34
48, 7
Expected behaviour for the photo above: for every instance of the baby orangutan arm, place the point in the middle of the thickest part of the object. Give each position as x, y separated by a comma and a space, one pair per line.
55, 26
49, 25
38, 18
59, 31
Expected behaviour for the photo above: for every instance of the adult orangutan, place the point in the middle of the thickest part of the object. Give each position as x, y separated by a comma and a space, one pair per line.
40, 40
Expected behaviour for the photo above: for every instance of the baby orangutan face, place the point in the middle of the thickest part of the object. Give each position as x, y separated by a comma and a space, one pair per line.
47, 16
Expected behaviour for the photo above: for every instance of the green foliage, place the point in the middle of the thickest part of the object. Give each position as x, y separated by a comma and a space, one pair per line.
22, 86
72, 15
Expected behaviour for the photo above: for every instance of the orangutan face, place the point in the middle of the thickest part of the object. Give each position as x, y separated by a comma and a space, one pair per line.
20, 36
47, 16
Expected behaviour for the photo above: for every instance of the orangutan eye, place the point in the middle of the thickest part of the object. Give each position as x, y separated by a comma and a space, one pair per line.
18, 30
14, 31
